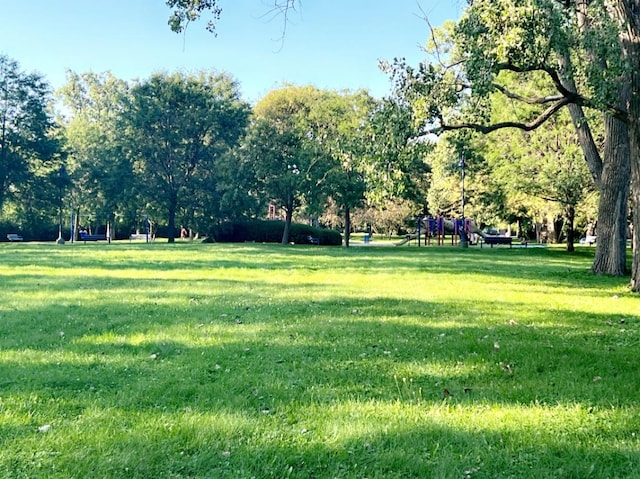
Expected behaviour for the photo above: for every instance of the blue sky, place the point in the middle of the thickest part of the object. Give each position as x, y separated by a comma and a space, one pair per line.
332, 44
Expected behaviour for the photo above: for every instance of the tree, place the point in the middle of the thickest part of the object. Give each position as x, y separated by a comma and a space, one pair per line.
545, 36
27, 140
101, 173
397, 168
282, 143
545, 164
178, 127
341, 122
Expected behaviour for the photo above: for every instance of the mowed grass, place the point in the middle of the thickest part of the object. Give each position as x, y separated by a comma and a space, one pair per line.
259, 361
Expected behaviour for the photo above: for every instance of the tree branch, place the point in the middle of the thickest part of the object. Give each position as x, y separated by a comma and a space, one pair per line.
571, 96
541, 119
530, 101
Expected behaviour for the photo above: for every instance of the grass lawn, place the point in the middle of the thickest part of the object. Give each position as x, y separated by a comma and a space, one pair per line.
262, 361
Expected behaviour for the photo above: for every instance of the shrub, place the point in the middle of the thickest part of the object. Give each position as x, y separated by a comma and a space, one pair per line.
271, 232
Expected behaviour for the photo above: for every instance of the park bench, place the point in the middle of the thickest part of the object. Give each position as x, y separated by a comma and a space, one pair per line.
313, 240
140, 236
491, 240
14, 237
87, 237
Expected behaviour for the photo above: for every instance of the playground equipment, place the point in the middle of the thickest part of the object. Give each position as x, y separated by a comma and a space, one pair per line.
460, 230
436, 229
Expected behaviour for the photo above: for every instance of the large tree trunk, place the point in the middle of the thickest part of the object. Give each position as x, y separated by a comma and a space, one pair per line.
628, 15
610, 171
635, 195
611, 249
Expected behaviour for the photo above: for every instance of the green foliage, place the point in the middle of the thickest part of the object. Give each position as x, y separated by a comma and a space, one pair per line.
285, 143
29, 147
397, 169
178, 127
247, 360
97, 164
271, 232
186, 11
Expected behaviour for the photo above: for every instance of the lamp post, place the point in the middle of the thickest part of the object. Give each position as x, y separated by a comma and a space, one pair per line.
62, 181
464, 242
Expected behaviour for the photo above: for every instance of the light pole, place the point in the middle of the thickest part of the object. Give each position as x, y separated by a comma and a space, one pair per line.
464, 242
62, 180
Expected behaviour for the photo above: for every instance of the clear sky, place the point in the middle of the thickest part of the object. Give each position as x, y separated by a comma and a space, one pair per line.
334, 44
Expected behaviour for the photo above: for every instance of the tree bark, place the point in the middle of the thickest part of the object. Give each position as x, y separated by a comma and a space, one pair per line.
287, 223
173, 207
611, 249
570, 216
628, 15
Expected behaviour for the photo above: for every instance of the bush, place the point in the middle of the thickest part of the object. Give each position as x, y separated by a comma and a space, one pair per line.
271, 232
30, 230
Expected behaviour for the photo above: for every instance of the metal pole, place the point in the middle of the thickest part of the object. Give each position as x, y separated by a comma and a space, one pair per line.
464, 242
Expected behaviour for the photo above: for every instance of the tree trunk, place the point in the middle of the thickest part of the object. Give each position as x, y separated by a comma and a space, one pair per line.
570, 216
287, 224
173, 207
611, 247
628, 13
610, 173
635, 195
347, 225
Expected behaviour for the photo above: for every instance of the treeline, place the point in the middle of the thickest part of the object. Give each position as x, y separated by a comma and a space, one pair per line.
186, 150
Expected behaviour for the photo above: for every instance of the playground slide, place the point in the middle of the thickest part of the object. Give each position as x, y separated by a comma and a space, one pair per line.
448, 227
407, 239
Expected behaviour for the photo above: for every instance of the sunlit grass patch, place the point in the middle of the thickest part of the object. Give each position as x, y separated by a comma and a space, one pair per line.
198, 360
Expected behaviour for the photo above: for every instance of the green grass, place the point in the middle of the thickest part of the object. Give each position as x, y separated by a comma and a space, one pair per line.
240, 361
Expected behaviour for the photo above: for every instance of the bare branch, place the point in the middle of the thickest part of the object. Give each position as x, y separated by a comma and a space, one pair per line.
571, 96
281, 8
542, 118
425, 17
530, 101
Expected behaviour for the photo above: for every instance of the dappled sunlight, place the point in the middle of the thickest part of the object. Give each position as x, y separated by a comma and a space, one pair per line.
291, 361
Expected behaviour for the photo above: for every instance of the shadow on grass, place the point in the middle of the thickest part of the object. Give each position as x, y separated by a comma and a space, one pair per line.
213, 382
550, 267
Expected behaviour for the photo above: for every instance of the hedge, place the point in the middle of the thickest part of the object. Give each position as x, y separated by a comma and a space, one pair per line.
271, 232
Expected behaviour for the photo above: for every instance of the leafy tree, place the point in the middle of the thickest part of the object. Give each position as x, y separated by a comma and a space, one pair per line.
102, 175
28, 145
545, 165
283, 145
341, 123
397, 167
178, 127
548, 37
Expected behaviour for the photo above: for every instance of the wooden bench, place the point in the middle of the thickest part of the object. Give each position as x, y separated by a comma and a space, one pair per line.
14, 237
491, 240
140, 236
313, 240
87, 237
